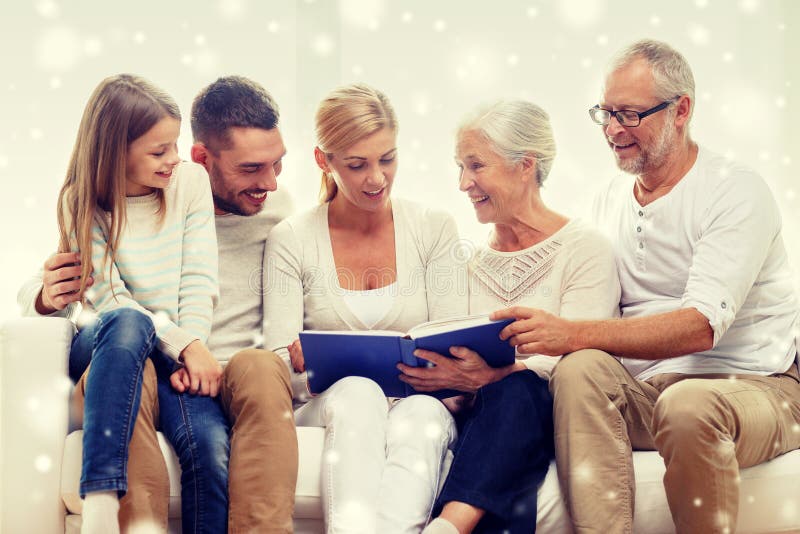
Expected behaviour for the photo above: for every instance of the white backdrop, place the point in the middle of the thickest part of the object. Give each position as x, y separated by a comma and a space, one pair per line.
434, 59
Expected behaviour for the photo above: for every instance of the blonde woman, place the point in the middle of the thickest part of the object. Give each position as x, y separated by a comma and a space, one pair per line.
364, 260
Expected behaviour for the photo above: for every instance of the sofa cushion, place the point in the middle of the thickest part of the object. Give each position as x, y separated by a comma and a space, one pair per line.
307, 495
769, 497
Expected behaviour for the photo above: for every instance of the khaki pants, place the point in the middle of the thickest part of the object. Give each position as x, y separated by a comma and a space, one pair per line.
256, 395
704, 426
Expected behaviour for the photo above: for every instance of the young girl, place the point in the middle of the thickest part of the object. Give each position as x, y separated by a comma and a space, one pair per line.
363, 260
142, 224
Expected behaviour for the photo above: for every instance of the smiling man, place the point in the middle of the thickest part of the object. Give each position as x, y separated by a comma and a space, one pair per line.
238, 141
240, 146
707, 294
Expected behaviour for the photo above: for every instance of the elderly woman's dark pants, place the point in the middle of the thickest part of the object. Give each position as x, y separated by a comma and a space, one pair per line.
503, 452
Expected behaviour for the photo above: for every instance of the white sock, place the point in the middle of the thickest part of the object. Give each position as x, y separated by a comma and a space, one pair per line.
99, 514
440, 526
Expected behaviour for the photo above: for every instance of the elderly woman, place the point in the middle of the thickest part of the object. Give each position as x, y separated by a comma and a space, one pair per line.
535, 257
363, 260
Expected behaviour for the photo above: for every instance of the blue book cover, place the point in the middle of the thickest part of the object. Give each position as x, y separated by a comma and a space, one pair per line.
332, 355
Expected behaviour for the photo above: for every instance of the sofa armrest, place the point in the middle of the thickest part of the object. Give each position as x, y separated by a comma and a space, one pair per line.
34, 412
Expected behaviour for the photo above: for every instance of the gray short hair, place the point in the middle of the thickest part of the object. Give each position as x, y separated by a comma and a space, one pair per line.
671, 72
516, 129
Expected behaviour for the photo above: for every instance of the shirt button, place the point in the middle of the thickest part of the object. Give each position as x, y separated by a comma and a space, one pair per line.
638, 228
641, 245
723, 305
641, 213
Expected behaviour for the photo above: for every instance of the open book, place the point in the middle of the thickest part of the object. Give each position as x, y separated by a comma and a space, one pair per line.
332, 355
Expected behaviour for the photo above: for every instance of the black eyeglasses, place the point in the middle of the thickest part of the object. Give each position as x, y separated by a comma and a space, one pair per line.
625, 117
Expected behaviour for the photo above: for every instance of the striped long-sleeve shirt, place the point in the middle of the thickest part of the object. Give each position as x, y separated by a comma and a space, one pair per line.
168, 270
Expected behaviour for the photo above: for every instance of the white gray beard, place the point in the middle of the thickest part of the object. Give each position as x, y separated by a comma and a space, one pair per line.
647, 161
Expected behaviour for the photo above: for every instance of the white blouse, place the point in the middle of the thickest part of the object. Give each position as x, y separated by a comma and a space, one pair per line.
370, 305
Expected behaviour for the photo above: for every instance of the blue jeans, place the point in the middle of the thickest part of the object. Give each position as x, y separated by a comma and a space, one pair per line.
504, 449
117, 344
196, 426
198, 430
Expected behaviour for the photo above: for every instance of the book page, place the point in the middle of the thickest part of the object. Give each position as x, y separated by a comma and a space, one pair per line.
447, 325
391, 333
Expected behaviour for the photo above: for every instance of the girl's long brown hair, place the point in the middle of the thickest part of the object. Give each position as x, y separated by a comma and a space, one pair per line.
121, 109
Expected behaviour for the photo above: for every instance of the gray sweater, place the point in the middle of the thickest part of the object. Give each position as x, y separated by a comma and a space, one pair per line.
238, 316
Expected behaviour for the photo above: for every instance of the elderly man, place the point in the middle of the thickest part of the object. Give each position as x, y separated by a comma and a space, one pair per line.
701, 367
238, 141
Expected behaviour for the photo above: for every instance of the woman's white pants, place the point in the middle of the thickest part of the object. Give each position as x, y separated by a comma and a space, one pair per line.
382, 462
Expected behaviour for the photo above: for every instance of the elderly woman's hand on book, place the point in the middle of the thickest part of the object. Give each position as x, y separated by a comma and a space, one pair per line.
465, 371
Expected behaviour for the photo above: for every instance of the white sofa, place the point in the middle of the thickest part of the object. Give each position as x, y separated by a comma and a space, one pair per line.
40, 464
